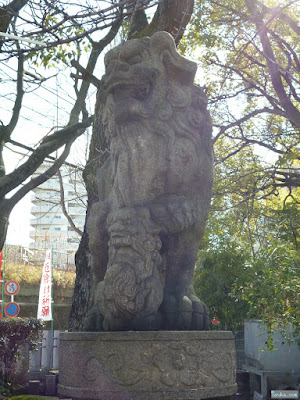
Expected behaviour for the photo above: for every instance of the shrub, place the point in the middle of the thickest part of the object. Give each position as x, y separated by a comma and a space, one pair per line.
15, 333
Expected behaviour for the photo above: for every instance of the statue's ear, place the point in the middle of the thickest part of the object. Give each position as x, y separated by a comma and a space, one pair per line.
162, 43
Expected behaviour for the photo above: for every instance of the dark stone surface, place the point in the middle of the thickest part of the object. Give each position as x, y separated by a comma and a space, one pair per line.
154, 190
34, 387
163, 365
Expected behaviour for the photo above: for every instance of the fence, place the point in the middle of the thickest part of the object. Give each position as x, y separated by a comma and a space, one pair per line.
240, 350
46, 357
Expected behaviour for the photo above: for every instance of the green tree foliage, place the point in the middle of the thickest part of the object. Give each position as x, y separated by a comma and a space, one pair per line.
249, 52
216, 274
272, 291
272, 288
249, 262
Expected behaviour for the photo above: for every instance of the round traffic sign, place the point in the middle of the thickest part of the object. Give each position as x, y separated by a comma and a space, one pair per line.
11, 309
11, 288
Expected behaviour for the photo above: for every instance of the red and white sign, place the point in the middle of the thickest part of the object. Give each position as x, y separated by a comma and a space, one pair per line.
45, 297
1, 259
11, 288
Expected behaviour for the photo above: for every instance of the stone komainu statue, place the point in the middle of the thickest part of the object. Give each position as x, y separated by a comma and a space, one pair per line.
154, 190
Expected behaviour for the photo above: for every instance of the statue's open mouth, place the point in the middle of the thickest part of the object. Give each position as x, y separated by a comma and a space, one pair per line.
137, 91
132, 94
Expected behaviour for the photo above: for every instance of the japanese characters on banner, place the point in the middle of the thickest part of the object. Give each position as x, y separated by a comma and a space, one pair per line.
45, 298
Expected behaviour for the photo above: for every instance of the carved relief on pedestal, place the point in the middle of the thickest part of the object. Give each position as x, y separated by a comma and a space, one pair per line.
147, 365
187, 366
177, 365
90, 369
166, 365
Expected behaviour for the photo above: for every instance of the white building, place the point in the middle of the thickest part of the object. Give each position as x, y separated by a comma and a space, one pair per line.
51, 228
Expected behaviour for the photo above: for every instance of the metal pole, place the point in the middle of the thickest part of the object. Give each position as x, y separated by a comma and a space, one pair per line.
52, 299
3, 281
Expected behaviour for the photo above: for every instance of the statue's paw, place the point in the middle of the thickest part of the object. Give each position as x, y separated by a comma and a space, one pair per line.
184, 313
182, 213
200, 318
174, 213
93, 321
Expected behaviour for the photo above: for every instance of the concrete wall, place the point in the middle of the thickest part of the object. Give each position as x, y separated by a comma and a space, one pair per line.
285, 358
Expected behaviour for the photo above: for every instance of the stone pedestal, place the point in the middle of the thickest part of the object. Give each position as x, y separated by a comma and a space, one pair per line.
163, 365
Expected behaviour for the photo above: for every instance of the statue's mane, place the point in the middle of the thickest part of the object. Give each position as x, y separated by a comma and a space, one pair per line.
182, 113
188, 118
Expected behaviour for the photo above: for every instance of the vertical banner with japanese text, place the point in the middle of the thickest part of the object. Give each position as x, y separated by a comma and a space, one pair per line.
45, 298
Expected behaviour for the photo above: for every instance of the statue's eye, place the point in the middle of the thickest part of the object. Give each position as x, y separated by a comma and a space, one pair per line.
134, 60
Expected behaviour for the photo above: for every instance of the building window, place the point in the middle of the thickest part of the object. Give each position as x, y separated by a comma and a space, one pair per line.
73, 240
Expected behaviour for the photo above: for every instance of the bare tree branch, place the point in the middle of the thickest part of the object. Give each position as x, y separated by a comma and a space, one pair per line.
34, 182
19, 97
31, 149
63, 205
8, 12
98, 47
292, 112
283, 16
245, 118
48, 145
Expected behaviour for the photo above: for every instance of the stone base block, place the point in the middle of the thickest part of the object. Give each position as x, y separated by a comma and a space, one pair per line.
163, 365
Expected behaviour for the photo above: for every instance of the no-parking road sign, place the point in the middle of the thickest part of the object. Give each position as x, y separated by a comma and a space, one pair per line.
11, 288
11, 309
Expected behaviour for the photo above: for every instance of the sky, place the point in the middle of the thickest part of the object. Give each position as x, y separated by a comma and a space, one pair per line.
43, 109
19, 222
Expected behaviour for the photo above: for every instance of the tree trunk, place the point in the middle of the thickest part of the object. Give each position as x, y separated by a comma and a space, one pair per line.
4, 215
84, 274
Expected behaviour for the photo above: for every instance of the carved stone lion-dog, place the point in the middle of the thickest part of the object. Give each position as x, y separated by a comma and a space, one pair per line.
154, 190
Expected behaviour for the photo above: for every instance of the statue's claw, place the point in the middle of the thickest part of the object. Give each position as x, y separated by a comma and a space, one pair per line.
184, 313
